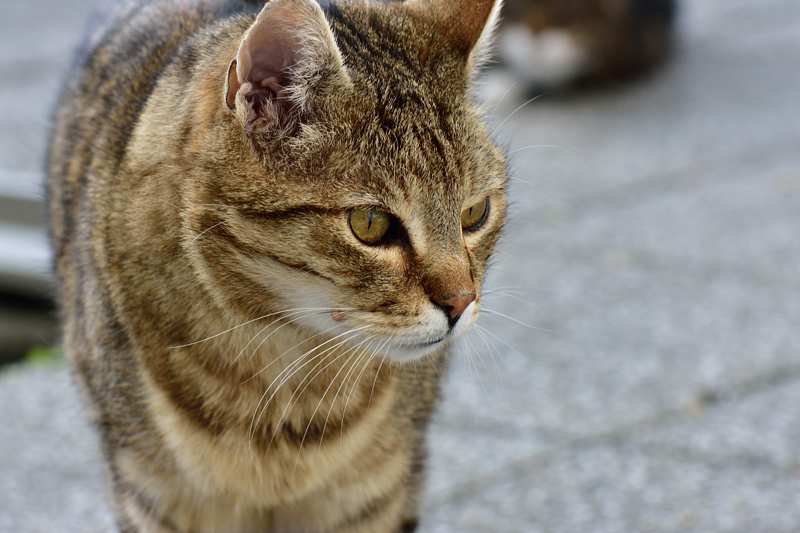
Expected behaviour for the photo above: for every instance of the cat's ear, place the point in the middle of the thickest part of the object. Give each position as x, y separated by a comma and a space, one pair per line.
287, 56
469, 24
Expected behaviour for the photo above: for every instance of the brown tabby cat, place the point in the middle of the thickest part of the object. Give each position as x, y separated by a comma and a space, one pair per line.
261, 214
551, 43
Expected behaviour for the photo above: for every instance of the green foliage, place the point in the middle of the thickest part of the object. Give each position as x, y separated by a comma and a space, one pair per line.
44, 356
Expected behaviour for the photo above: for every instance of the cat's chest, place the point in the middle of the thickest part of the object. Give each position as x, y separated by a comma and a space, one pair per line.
228, 464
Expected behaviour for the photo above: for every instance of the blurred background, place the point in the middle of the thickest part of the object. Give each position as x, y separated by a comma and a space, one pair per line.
640, 371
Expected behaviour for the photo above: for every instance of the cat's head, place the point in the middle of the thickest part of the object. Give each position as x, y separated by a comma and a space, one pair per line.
361, 190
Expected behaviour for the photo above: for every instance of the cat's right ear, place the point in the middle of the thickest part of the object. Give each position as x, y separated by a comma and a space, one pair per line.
285, 58
468, 24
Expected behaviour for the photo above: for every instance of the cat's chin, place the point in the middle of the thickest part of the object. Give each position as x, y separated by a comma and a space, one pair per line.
409, 353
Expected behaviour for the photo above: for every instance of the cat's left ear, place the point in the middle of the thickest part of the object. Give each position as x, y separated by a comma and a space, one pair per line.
285, 58
469, 25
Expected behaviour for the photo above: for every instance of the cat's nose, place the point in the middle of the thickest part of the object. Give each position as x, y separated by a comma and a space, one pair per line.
454, 306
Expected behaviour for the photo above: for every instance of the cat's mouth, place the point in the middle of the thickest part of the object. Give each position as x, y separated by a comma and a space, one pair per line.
409, 350
428, 344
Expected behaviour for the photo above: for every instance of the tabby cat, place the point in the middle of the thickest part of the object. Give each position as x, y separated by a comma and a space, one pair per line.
553, 43
270, 221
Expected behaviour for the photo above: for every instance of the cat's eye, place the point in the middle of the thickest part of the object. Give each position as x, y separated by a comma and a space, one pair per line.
369, 225
474, 217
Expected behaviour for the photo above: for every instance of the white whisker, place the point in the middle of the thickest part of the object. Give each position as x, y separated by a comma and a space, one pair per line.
514, 297
369, 358
294, 367
280, 357
491, 349
221, 333
206, 231
311, 376
357, 359
498, 339
514, 112
536, 147
319, 404
514, 320
297, 316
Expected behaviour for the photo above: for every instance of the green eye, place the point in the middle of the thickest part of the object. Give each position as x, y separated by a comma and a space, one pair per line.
473, 217
370, 225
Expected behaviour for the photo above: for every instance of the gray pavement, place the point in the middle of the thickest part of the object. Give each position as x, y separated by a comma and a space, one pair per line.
655, 250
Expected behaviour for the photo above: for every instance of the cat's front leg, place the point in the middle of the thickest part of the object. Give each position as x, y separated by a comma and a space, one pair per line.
135, 514
348, 511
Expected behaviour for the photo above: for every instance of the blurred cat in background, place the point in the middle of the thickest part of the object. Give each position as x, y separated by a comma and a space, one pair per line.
553, 43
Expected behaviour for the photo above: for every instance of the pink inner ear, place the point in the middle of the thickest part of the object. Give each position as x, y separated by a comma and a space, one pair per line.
269, 49
270, 57
285, 35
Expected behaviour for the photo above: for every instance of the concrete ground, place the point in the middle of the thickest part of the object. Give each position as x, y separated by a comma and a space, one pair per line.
654, 248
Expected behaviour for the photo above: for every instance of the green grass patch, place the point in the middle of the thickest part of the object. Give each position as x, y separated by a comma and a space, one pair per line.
44, 356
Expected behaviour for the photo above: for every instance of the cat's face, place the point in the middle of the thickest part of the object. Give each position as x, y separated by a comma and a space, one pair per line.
375, 214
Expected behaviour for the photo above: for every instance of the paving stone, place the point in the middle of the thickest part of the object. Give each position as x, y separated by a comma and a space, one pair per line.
461, 451
761, 429
51, 474
623, 489
740, 216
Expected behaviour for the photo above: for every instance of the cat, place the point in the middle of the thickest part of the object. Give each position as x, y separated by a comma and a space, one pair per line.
270, 221
551, 44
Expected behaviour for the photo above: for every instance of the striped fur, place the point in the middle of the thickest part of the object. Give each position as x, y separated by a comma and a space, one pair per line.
182, 229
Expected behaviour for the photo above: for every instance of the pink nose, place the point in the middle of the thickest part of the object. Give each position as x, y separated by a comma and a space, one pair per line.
455, 306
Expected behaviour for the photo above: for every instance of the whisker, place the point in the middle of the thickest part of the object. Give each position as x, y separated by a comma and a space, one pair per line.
273, 333
319, 404
308, 352
498, 339
294, 367
514, 112
311, 378
535, 147
514, 297
204, 232
369, 348
514, 320
515, 179
482, 365
375, 381
495, 106
491, 350
349, 334
297, 316
280, 357
493, 290
365, 366
358, 358
471, 364
212, 337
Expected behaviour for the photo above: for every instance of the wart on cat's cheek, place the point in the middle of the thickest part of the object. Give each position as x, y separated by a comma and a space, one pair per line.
338, 316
